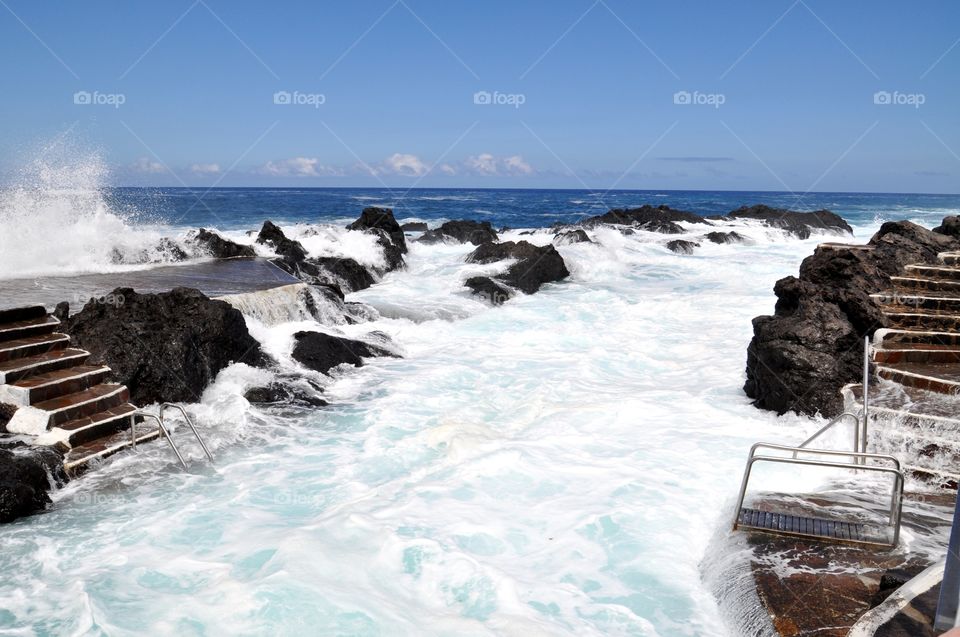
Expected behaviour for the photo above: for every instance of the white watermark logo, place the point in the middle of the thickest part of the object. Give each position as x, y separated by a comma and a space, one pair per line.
486, 98
96, 98
896, 98
696, 98
296, 98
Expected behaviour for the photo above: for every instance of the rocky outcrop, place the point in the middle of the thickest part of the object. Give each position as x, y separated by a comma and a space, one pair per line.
287, 249
725, 237
950, 227
489, 290
26, 477
643, 215
799, 224
381, 222
801, 356
682, 247
464, 231
572, 236
322, 352
220, 248
534, 266
287, 390
164, 347
415, 226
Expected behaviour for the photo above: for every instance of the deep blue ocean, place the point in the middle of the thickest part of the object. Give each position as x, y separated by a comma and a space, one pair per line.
236, 208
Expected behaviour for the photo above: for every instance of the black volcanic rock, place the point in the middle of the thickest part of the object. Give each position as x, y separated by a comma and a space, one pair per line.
26, 476
380, 221
288, 249
801, 356
535, 265
950, 226
489, 290
572, 236
415, 226
286, 393
322, 352
643, 215
164, 347
662, 226
346, 274
725, 237
682, 247
221, 248
463, 231
799, 224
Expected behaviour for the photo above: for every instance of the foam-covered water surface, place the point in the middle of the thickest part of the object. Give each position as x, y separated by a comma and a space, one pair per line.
554, 466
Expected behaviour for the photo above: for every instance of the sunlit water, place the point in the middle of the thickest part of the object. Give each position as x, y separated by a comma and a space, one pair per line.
554, 466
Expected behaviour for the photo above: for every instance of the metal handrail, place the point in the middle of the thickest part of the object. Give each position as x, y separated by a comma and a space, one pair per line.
163, 431
829, 425
193, 427
896, 498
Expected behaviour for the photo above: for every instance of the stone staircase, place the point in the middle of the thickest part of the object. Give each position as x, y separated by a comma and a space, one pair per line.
915, 410
61, 399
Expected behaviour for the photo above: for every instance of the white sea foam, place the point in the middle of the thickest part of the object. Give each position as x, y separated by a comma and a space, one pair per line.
554, 466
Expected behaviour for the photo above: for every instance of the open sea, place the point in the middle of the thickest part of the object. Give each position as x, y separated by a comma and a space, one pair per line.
555, 466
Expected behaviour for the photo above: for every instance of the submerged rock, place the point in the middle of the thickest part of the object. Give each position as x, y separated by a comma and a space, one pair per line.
535, 265
489, 290
800, 357
167, 346
463, 231
26, 477
682, 247
287, 393
725, 237
221, 248
322, 352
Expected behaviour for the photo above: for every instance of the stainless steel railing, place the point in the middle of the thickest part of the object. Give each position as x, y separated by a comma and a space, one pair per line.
165, 433
896, 497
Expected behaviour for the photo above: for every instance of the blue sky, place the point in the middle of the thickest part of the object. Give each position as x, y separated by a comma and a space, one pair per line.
780, 95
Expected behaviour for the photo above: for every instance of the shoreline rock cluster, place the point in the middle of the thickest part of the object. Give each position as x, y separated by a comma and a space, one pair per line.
170, 346
811, 346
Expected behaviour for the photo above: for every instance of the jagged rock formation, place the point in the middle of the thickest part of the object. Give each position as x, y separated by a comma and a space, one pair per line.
571, 236
682, 247
322, 352
475, 232
801, 356
164, 347
220, 248
798, 224
534, 266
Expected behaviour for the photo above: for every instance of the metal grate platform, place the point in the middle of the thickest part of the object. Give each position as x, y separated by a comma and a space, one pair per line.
784, 524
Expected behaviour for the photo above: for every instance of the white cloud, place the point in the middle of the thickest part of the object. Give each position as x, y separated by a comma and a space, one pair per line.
205, 169
447, 169
298, 167
487, 165
148, 166
405, 165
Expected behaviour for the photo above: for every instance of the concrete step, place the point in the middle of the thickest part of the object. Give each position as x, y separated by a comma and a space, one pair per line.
39, 387
937, 272
893, 338
83, 403
32, 345
17, 314
898, 301
920, 285
921, 353
910, 319
86, 456
943, 379
80, 431
949, 258
28, 327
12, 371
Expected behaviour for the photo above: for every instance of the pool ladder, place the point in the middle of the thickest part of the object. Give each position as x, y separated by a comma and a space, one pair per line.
833, 530
158, 417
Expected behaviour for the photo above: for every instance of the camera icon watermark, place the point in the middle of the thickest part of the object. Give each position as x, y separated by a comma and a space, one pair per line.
496, 98
96, 98
112, 300
296, 98
896, 98
696, 98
